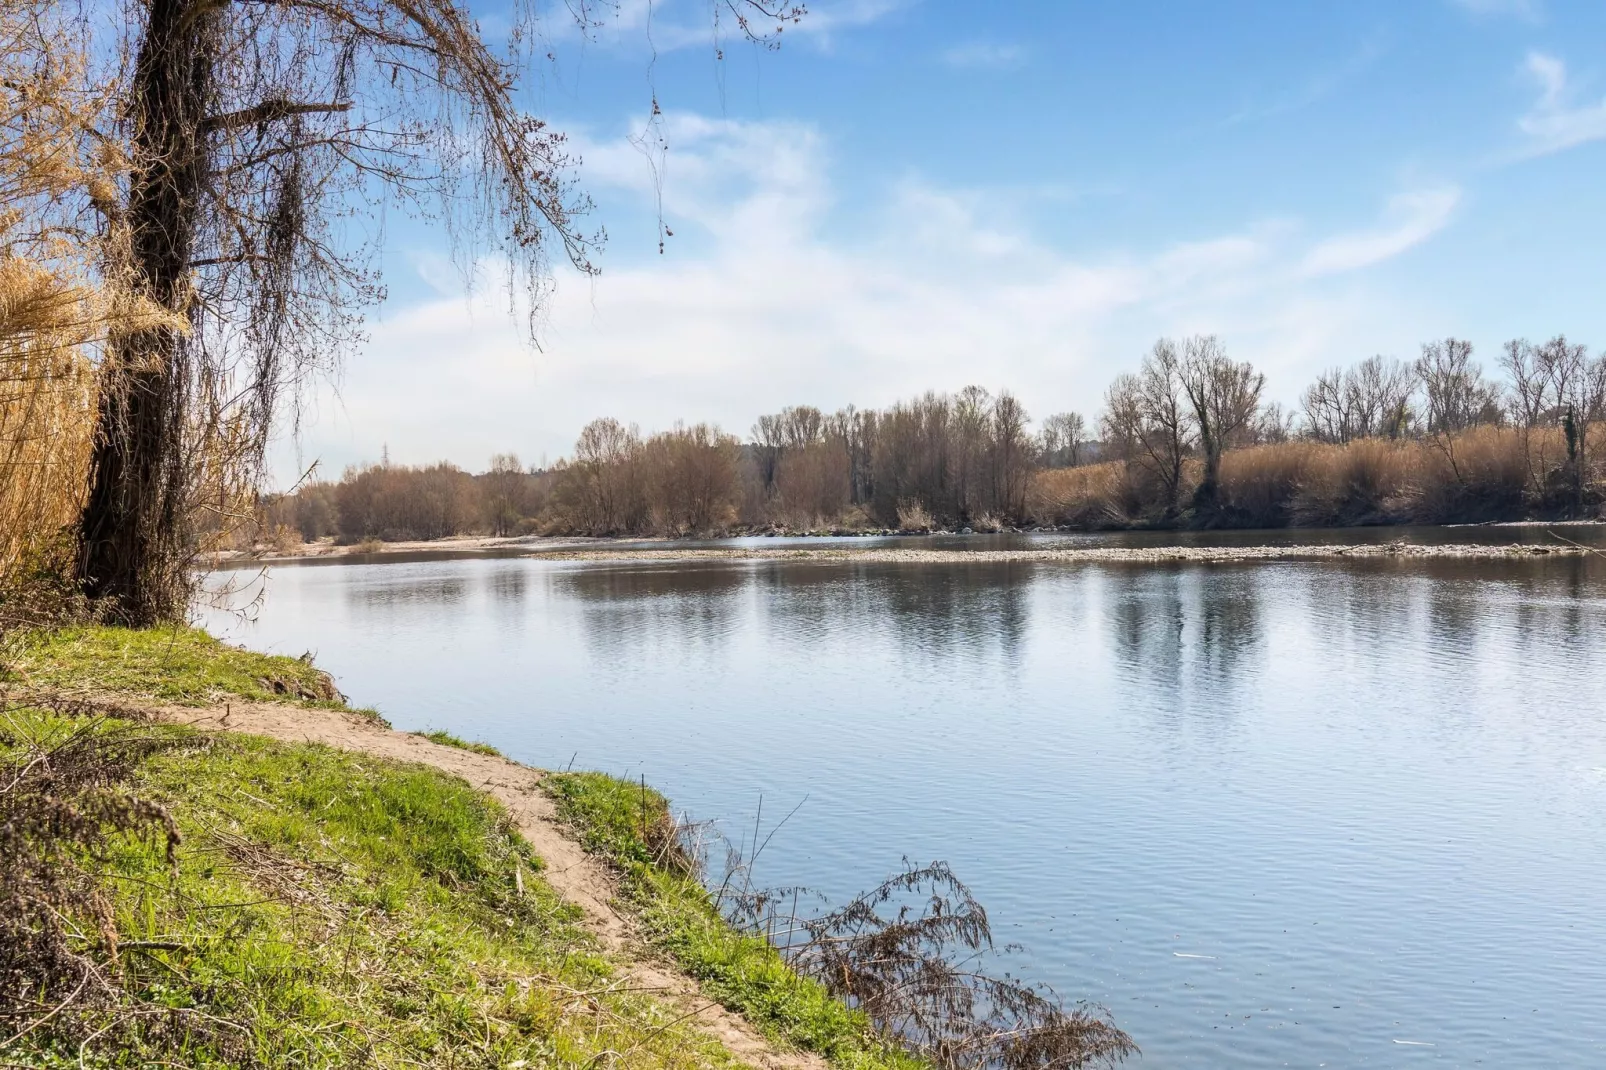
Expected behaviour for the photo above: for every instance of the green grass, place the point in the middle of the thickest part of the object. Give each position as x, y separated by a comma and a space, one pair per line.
621, 821
330, 910
449, 740
174, 664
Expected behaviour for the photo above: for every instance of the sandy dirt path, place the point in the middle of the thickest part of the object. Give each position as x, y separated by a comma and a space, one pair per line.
574, 874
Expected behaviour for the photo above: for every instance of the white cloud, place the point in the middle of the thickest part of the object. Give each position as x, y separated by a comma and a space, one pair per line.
1552, 124
1414, 218
984, 55
779, 307
832, 16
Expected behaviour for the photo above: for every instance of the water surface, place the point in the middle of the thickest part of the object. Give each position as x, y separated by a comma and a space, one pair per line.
1342, 814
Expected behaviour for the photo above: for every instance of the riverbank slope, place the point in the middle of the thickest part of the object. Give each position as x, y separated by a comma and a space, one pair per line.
309, 886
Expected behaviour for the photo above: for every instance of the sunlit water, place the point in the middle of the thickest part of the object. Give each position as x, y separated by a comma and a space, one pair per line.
1326, 814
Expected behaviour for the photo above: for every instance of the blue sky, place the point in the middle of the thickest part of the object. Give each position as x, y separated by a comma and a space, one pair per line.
917, 194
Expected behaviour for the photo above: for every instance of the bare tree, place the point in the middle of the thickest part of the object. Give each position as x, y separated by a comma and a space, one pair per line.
813, 483
801, 426
1061, 440
1009, 455
1585, 408
1224, 395
1326, 408
1382, 388
1147, 419
970, 432
395, 502
1529, 405
1529, 387
1272, 425
1458, 397
258, 136
691, 479
602, 487
1372, 399
794, 428
856, 431
1558, 384
769, 440
503, 482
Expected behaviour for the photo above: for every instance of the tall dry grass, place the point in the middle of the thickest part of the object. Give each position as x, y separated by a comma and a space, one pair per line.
56, 301
1094, 496
47, 408
1482, 474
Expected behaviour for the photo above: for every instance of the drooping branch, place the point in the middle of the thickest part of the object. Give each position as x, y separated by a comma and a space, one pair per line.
267, 112
267, 140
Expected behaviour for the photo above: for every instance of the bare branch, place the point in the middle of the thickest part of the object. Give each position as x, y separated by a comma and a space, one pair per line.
268, 111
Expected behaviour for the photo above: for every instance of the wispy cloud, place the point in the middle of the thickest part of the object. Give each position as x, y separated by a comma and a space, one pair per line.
1555, 123
1412, 218
832, 16
1318, 87
778, 305
984, 55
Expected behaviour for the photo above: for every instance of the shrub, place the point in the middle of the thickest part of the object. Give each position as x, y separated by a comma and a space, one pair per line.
914, 518
397, 502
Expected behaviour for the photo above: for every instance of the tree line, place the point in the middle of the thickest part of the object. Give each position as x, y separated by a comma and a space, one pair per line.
1184, 438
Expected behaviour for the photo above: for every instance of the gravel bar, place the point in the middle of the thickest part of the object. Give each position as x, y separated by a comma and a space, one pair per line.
1091, 554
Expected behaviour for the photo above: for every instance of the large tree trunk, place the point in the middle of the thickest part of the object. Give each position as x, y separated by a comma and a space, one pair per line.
133, 527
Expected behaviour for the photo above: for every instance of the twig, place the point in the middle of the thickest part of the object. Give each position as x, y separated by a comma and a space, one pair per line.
1581, 546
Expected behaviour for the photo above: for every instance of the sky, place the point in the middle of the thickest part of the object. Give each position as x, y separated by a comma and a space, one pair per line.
924, 194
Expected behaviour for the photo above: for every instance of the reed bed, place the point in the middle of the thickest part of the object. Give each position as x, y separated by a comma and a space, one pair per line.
1483, 474
47, 407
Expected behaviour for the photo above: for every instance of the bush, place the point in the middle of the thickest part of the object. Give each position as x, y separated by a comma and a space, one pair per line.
396, 502
914, 518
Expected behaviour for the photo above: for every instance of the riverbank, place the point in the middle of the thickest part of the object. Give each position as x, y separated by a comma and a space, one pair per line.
1072, 555
301, 884
831, 547
329, 548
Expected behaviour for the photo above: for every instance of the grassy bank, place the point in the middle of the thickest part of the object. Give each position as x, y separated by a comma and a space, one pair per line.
323, 908
327, 909
184, 666
630, 825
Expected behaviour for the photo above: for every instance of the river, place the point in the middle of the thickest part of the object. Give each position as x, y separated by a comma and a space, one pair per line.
1314, 814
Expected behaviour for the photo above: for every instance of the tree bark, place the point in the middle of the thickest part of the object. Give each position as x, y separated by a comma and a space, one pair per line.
133, 528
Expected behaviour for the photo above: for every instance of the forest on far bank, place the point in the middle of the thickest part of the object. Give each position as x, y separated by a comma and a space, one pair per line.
1184, 440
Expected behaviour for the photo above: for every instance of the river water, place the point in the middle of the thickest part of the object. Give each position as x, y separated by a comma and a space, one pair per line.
1338, 813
